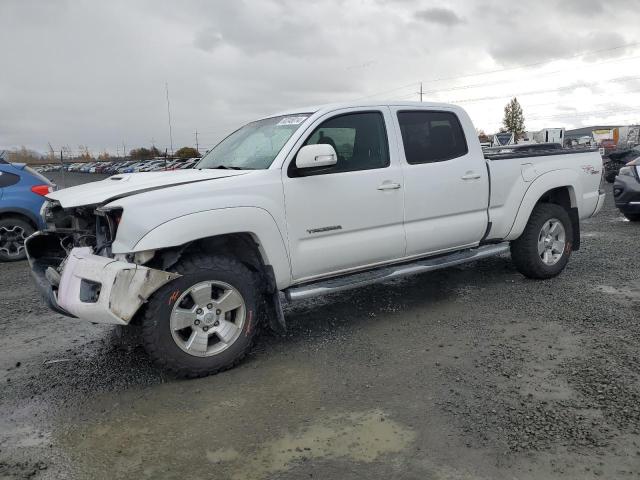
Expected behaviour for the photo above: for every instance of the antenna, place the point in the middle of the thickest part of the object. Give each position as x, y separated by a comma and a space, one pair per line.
166, 85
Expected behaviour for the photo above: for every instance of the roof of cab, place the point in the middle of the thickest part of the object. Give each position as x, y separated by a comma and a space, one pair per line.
354, 104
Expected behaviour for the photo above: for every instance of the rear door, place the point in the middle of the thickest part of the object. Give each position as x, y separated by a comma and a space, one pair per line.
446, 188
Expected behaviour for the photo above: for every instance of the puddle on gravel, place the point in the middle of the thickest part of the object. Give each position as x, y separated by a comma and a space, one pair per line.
624, 293
249, 429
131, 448
359, 437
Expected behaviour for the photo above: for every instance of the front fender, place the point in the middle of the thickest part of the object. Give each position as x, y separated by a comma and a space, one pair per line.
541, 185
195, 226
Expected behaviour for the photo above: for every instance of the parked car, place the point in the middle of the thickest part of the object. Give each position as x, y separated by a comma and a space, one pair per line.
188, 163
626, 190
331, 198
22, 191
618, 159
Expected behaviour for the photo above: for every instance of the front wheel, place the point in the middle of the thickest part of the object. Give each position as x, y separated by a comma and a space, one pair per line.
205, 321
544, 248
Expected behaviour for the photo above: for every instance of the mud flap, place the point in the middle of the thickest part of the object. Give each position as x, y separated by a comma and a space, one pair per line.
273, 305
575, 224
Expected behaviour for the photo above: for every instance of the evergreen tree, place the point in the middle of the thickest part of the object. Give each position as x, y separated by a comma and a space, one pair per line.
514, 119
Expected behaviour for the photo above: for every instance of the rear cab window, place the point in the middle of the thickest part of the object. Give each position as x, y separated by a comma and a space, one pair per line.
431, 136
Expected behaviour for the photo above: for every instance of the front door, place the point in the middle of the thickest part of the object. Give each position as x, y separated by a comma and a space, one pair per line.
350, 215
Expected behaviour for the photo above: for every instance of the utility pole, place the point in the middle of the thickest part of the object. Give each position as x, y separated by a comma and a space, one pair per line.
166, 85
421, 91
197, 149
124, 151
64, 182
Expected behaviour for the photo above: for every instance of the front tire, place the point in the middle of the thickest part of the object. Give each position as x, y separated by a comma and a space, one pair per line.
205, 321
632, 217
544, 248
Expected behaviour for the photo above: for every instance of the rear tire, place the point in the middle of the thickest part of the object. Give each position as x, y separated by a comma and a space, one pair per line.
544, 248
205, 321
632, 217
13, 232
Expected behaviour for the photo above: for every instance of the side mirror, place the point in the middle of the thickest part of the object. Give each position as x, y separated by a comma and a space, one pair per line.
321, 155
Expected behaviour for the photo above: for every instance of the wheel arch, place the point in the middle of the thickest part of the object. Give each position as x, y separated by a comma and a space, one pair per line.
557, 187
249, 233
21, 214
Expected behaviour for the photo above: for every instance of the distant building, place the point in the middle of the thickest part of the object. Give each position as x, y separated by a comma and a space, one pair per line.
578, 133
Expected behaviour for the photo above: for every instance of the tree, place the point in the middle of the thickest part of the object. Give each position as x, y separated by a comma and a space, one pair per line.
185, 153
144, 153
514, 118
24, 155
84, 154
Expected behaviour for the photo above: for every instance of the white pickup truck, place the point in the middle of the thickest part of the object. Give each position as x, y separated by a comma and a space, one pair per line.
299, 204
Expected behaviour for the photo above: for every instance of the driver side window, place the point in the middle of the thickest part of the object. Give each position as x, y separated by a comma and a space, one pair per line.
359, 139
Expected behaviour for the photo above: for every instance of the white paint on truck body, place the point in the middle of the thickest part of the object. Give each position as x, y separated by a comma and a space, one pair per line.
320, 226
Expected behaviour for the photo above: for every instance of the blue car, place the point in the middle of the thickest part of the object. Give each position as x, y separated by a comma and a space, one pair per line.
22, 193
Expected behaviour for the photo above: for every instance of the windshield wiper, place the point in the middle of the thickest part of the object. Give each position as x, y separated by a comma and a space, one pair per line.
225, 167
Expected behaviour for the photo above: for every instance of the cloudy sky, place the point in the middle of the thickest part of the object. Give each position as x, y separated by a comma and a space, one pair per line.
94, 72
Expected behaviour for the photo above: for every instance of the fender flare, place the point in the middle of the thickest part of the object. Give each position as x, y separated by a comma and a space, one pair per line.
564, 178
22, 212
256, 221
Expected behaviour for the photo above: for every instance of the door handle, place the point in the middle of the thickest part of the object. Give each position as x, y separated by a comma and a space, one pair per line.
389, 186
471, 176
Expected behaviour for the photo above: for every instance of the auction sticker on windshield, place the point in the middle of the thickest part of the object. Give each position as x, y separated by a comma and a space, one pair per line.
297, 120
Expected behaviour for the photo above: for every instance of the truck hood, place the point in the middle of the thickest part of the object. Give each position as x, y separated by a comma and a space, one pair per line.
124, 185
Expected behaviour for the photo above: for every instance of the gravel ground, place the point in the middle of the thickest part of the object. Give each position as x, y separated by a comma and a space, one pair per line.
469, 373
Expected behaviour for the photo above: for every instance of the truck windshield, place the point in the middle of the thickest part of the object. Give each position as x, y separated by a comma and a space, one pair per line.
254, 146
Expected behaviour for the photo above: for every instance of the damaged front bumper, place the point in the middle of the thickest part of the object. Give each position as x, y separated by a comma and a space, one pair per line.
92, 287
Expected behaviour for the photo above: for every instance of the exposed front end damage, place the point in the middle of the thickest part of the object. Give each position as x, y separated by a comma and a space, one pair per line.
78, 275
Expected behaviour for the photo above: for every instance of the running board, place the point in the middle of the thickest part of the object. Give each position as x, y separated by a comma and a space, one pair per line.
356, 280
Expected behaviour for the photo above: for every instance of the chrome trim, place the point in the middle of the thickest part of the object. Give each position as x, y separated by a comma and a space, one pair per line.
370, 277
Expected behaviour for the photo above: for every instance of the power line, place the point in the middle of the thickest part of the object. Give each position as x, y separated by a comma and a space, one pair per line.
493, 83
612, 111
537, 64
538, 92
508, 69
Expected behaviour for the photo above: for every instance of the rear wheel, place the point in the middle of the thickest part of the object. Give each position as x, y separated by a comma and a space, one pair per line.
632, 217
13, 232
544, 248
205, 321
